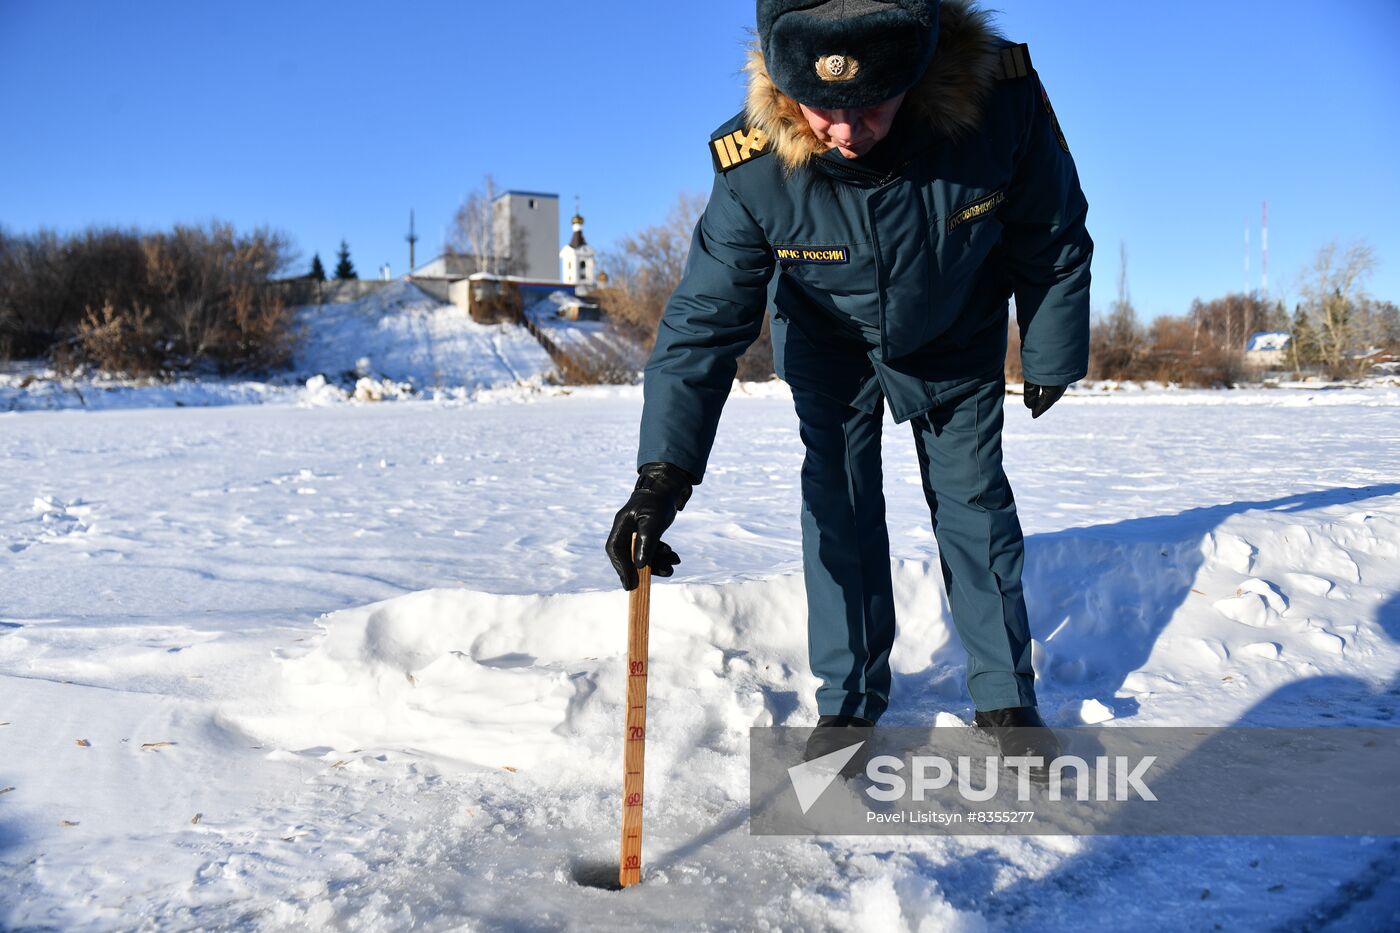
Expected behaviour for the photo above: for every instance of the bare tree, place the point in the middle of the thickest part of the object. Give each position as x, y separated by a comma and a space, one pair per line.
473, 230
645, 268
1332, 291
483, 231
1116, 342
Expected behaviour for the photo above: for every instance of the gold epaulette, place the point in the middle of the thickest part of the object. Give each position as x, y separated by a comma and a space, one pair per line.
736, 148
1015, 62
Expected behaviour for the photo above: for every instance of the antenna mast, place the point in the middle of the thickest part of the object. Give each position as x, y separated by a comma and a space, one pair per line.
1264, 234
412, 238
1246, 256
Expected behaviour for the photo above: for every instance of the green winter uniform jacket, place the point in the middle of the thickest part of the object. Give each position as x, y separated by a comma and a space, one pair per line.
887, 275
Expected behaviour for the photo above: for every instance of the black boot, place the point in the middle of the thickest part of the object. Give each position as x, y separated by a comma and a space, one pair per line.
834, 733
1019, 731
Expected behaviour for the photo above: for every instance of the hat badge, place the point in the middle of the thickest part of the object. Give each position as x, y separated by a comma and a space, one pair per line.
836, 67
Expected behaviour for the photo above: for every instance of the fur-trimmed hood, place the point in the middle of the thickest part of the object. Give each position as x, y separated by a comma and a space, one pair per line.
949, 97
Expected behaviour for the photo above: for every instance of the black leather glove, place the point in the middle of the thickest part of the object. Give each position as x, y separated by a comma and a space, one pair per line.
662, 490
1040, 398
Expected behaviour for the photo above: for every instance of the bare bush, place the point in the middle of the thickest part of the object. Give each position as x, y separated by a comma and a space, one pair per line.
756, 364
646, 267
1177, 353
147, 303
125, 341
49, 282
1013, 351
1116, 344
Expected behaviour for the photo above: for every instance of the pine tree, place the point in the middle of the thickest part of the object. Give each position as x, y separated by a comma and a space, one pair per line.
1304, 342
318, 271
344, 269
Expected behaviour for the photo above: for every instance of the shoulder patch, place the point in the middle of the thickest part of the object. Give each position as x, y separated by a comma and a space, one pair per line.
732, 149
1015, 62
822, 255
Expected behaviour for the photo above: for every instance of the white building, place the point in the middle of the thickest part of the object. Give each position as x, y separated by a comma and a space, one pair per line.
577, 260
1266, 349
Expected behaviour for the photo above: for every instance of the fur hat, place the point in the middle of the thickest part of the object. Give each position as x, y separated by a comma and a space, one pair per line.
835, 54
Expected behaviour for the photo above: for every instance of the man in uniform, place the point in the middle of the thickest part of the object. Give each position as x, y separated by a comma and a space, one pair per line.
896, 176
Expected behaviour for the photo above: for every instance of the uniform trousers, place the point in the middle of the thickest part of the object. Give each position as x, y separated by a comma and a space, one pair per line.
846, 559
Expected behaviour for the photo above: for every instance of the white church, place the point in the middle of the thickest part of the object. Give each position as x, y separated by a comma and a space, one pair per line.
526, 227
577, 259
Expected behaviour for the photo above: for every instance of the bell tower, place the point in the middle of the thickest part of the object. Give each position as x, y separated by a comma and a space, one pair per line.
578, 263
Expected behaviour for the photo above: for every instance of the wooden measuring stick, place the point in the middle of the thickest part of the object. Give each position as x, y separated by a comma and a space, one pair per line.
634, 738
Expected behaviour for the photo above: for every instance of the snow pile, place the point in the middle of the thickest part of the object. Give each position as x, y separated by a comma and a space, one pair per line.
1263, 598
533, 681
1377, 390
319, 391
402, 334
528, 682
40, 388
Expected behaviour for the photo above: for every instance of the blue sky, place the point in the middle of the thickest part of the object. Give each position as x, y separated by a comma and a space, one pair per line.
331, 120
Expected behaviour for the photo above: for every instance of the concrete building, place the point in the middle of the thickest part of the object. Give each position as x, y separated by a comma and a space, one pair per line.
527, 223
525, 227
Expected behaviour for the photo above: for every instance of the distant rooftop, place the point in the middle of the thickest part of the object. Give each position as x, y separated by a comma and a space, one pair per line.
1267, 340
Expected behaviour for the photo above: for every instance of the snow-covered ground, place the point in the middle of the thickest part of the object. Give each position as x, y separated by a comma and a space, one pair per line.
359, 666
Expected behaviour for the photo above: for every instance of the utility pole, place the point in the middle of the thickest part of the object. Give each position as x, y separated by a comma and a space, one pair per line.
412, 238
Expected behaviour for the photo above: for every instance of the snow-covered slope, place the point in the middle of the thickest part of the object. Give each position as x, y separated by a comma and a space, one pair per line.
592, 344
360, 667
401, 333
